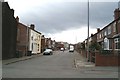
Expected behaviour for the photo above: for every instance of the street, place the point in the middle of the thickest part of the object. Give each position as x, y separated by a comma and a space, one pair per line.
58, 65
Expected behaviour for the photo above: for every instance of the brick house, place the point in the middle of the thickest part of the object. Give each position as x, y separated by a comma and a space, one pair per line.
106, 37
48, 43
22, 38
9, 32
59, 45
109, 38
42, 43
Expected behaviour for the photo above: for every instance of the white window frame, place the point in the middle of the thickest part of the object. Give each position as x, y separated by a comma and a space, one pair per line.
116, 40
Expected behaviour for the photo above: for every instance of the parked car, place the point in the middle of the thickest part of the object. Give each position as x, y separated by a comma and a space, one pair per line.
48, 52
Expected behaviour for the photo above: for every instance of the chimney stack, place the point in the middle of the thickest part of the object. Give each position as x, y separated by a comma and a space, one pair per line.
98, 29
17, 19
43, 36
116, 13
32, 26
92, 35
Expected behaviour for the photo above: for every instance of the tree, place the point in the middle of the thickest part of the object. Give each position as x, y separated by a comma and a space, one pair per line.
95, 46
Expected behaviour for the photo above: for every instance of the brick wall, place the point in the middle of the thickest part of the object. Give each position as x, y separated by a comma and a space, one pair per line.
22, 39
106, 60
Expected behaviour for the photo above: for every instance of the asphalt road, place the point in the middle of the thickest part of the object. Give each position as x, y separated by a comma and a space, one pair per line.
58, 65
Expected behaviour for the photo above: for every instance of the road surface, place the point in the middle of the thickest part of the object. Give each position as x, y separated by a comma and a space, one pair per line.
58, 65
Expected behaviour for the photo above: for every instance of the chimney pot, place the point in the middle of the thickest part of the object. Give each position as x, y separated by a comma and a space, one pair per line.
17, 18
32, 26
116, 13
98, 29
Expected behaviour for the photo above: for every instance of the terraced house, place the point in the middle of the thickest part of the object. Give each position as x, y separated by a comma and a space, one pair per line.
109, 40
22, 39
108, 37
9, 31
34, 40
104, 46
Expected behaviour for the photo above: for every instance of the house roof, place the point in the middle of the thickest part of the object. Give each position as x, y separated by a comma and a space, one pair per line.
108, 25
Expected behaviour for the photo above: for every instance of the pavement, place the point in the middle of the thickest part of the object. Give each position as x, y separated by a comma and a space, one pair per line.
82, 64
81, 61
14, 60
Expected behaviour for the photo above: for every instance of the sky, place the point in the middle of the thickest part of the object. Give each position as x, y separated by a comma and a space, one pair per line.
65, 20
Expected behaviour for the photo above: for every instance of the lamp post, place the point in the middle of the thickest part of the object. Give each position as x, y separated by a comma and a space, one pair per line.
88, 54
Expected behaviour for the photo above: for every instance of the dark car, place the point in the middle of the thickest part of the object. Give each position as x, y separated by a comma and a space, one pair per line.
48, 52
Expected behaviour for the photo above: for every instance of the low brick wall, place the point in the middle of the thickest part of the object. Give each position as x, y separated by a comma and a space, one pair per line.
106, 60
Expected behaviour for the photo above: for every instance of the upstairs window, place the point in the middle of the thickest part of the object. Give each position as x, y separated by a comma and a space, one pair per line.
105, 33
109, 30
114, 27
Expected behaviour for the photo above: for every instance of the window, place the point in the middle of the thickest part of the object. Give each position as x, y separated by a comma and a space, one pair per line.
38, 47
109, 30
106, 44
100, 35
117, 41
31, 37
105, 33
114, 27
102, 44
32, 46
110, 43
18, 34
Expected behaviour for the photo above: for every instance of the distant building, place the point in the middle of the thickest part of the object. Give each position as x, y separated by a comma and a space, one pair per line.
59, 45
9, 32
66, 45
48, 43
34, 40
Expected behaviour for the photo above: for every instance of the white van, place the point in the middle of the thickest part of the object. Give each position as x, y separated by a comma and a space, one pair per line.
71, 48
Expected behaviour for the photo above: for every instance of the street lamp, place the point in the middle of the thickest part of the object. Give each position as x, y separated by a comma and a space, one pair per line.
88, 54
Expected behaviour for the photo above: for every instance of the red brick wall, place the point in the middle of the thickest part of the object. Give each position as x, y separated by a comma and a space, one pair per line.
22, 39
42, 45
106, 60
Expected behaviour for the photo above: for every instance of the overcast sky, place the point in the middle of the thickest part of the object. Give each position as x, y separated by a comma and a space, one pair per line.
64, 20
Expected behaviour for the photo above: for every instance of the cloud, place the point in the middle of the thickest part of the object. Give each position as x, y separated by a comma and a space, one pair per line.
72, 36
57, 16
101, 13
